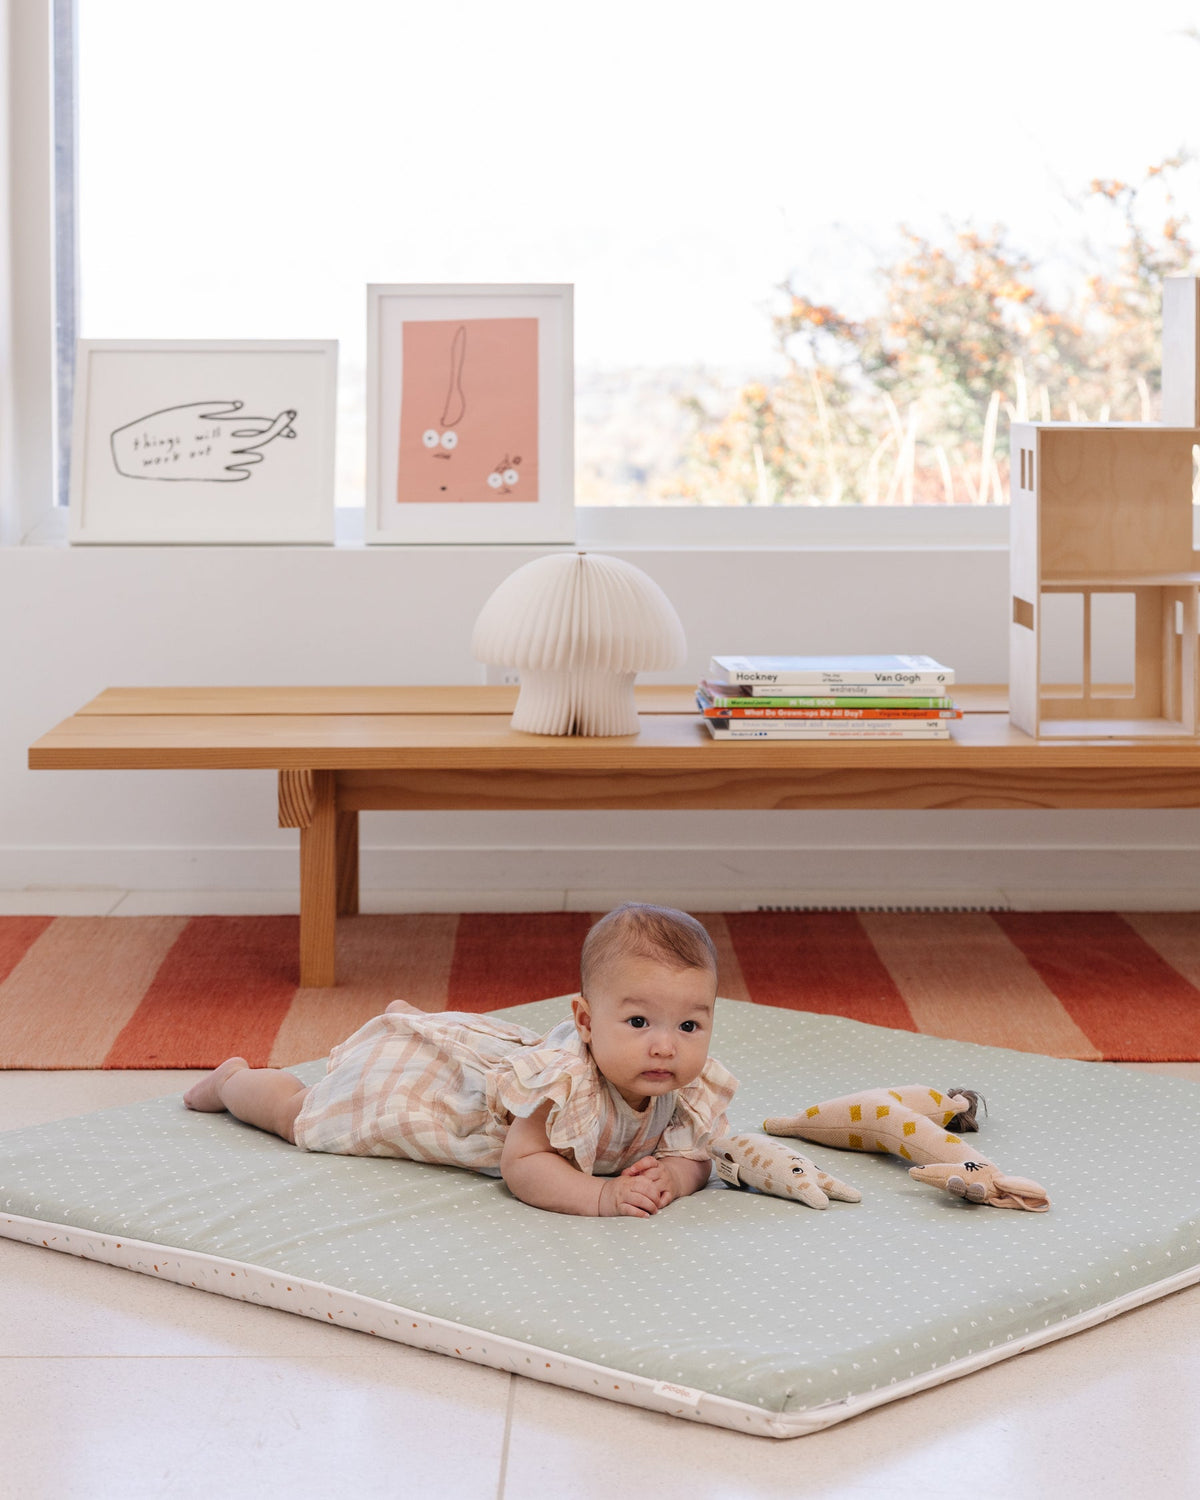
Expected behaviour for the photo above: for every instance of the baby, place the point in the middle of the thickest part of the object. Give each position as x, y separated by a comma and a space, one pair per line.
609, 1113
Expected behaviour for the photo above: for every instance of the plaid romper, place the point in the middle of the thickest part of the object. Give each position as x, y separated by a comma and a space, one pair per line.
445, 1088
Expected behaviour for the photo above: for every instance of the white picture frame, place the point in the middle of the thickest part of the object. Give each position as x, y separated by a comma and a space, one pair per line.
510, 475
203, 441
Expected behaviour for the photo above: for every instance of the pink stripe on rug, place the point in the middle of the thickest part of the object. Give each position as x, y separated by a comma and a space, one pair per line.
65, 1002
1132, 1004
149, 992
1174, 936
962, 978
380, 959
17, 936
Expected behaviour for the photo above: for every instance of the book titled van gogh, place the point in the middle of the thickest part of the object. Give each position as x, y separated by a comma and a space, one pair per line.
795, 671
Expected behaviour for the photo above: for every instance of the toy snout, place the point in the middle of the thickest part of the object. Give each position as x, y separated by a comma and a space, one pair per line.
981, 1182
802, 1187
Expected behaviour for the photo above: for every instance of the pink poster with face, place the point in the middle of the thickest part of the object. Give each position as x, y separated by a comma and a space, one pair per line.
469, 411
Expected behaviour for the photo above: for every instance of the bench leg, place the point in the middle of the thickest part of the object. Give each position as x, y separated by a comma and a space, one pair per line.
347, 863
318, 883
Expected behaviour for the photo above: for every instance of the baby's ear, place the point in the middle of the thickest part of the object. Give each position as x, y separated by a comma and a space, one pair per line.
583, 1017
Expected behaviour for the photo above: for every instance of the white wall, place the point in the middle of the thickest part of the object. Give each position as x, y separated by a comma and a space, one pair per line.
73, 621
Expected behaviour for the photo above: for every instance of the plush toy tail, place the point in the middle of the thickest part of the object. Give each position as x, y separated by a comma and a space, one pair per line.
965, 1120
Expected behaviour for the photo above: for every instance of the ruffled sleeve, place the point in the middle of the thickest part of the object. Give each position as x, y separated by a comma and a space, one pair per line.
699, 1114
566, 1076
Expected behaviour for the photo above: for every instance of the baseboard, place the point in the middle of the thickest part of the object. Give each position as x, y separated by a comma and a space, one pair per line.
713, 879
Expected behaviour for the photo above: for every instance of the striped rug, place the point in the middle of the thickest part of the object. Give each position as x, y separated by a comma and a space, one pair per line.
185, 992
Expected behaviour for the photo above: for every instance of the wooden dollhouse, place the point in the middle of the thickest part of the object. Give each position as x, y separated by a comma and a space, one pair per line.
1102, 535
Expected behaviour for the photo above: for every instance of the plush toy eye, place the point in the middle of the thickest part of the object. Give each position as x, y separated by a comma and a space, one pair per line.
495, 480
449, 441
429, 438
511, 476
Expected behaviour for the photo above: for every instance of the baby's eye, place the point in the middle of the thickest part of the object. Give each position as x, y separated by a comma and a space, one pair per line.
688, 1026
637, 1022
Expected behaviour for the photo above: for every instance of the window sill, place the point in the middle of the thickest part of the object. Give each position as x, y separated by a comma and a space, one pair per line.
713, 528
728, 528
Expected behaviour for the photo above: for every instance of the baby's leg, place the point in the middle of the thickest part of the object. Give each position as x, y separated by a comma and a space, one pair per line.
266, 1097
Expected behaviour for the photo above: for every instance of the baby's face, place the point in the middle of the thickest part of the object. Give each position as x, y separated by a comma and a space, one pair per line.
648, 1025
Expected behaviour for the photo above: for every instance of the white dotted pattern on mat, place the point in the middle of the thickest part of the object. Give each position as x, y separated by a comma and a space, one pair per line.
751, 1299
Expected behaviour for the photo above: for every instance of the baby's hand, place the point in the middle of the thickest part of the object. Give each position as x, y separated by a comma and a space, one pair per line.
655, 1178
627, 1195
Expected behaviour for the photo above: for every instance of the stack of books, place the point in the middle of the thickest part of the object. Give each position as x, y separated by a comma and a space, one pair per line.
827, 698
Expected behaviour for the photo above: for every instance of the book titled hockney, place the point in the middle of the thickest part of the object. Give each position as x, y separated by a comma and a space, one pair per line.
790, 670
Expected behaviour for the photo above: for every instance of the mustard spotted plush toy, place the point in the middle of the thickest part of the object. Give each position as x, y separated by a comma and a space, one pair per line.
914, 1122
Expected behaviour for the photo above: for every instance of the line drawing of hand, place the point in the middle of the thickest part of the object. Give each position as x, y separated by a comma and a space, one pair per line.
209, 441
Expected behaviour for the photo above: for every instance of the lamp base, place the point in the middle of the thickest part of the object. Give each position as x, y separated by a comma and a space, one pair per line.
584, 702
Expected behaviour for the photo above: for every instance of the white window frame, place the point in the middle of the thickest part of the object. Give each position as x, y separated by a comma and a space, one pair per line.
28, 449
27, 439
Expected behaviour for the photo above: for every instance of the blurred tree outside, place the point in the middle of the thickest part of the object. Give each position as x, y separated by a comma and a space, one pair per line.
911, 405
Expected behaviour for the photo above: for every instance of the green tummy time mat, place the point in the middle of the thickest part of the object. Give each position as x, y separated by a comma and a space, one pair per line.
732, 1307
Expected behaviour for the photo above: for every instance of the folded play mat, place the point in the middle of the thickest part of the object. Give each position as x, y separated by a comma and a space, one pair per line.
730, 1307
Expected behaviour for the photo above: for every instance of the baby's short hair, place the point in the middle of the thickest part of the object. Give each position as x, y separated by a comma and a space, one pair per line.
659, 932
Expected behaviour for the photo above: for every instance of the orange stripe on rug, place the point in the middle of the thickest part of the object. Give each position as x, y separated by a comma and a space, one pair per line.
1132, 1004
502, 958
962, 978
65, 1002
17, 936
87, 992
224, 988
379, 959
820, 961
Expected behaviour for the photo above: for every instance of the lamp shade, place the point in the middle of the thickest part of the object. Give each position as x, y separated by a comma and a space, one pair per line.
578, 627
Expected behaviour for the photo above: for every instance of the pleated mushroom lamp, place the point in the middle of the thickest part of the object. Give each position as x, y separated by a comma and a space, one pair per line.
578, 627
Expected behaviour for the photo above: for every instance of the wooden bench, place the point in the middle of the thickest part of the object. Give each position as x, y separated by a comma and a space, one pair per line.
341, 751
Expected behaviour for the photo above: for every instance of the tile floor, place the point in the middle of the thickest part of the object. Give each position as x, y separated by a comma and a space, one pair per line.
112, 1384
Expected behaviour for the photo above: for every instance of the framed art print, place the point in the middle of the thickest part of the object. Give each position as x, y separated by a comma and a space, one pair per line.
203, 440
470, 414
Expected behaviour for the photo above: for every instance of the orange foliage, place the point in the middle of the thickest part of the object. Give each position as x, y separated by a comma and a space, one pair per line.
912, 404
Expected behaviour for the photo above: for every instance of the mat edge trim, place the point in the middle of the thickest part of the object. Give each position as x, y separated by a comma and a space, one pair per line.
511, 1356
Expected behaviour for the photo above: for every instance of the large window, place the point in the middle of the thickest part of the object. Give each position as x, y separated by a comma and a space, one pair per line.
821, 254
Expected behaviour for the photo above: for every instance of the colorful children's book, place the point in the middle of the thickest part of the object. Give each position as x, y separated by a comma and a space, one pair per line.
759, 708
893, 671
725, 729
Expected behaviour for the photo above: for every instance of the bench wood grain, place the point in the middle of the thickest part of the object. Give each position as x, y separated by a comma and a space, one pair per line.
342, 750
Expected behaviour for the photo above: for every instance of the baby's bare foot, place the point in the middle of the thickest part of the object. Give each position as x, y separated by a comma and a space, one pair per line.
205, 1095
